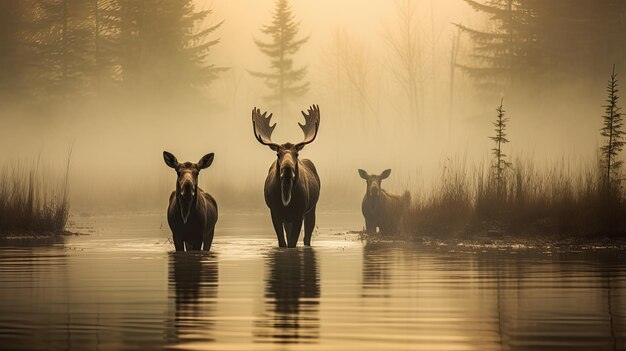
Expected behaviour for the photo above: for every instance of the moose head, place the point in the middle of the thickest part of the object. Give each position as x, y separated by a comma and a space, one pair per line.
187, 182
373, 183
287, 154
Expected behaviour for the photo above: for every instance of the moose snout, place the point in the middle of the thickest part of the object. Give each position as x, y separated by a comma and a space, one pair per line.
287, 173
187, 189
374, 191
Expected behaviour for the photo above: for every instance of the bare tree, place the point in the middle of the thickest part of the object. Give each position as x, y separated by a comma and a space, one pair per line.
405, 44
454, 53
354, 82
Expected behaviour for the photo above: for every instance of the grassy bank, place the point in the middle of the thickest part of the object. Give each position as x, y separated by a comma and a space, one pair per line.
31, 201
525, 202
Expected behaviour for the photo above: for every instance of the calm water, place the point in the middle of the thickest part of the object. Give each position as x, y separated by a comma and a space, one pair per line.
122, 287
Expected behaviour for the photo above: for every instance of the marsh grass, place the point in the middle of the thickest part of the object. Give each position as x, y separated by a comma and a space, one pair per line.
31, 201
526, 201
448, 208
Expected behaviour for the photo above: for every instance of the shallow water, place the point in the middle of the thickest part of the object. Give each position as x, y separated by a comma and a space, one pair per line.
122, 287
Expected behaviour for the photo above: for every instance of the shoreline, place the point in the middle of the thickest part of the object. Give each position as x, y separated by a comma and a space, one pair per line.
500, 241
17, 235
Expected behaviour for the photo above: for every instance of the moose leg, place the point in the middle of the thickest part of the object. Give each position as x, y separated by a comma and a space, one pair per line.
370, 228
178, 243
294, 233
278, 228
287, 227
207, 238
309, 225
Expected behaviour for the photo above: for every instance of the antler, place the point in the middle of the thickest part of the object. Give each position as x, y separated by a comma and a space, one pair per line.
311, 125
262, 129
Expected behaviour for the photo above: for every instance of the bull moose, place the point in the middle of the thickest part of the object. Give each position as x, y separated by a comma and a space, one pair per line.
191, 213
292, 186
381, 209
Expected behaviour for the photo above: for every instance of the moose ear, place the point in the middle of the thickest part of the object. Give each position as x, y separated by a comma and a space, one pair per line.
385, 174
170, 159
206, 161
364, 174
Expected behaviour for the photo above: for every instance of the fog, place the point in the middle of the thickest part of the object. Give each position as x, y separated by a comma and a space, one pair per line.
117, 144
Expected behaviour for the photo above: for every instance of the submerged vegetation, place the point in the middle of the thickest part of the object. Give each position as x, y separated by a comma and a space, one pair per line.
30, 203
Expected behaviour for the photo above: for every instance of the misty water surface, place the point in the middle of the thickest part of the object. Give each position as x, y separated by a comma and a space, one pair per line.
123, 287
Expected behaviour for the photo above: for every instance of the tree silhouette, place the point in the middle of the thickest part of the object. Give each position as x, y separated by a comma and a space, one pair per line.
406, 47
500, 163
10, 11
283, 79
505, 56
612, 131
160, 47
68, 48
528, 43
64, 47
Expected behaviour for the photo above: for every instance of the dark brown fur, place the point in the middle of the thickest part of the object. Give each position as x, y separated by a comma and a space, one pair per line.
380, 209
192, 213
292, 186
304, 195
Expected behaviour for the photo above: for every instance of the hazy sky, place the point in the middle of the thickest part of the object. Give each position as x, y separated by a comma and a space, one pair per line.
367, 19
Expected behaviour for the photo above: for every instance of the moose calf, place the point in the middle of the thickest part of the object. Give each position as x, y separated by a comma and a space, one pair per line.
381, 209
192, 213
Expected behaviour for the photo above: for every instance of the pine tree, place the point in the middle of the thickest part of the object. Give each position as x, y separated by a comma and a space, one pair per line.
525, 39
612, 131
105, 19
283, 80
64, 46
506, 56
17, 54
10, 11
160, 49
500, 162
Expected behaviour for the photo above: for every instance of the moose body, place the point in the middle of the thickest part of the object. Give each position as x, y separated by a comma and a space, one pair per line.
192, 213
292, 186
382, 210
304, 195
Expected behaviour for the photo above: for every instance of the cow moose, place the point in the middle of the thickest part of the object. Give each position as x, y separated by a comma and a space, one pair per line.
292, 186
380, 209
191, 213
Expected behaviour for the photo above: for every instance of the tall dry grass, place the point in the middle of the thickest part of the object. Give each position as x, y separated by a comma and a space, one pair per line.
31, 201
553, 201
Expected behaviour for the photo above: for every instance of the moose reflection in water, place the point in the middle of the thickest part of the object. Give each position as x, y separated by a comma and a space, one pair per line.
193, 283
192, 213
292, 186
292, 293
376, 271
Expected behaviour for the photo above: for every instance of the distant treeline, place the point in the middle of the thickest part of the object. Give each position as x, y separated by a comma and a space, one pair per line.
529, 43
64, 48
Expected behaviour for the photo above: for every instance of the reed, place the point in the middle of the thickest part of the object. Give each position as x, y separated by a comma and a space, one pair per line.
524, 201
31, 202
